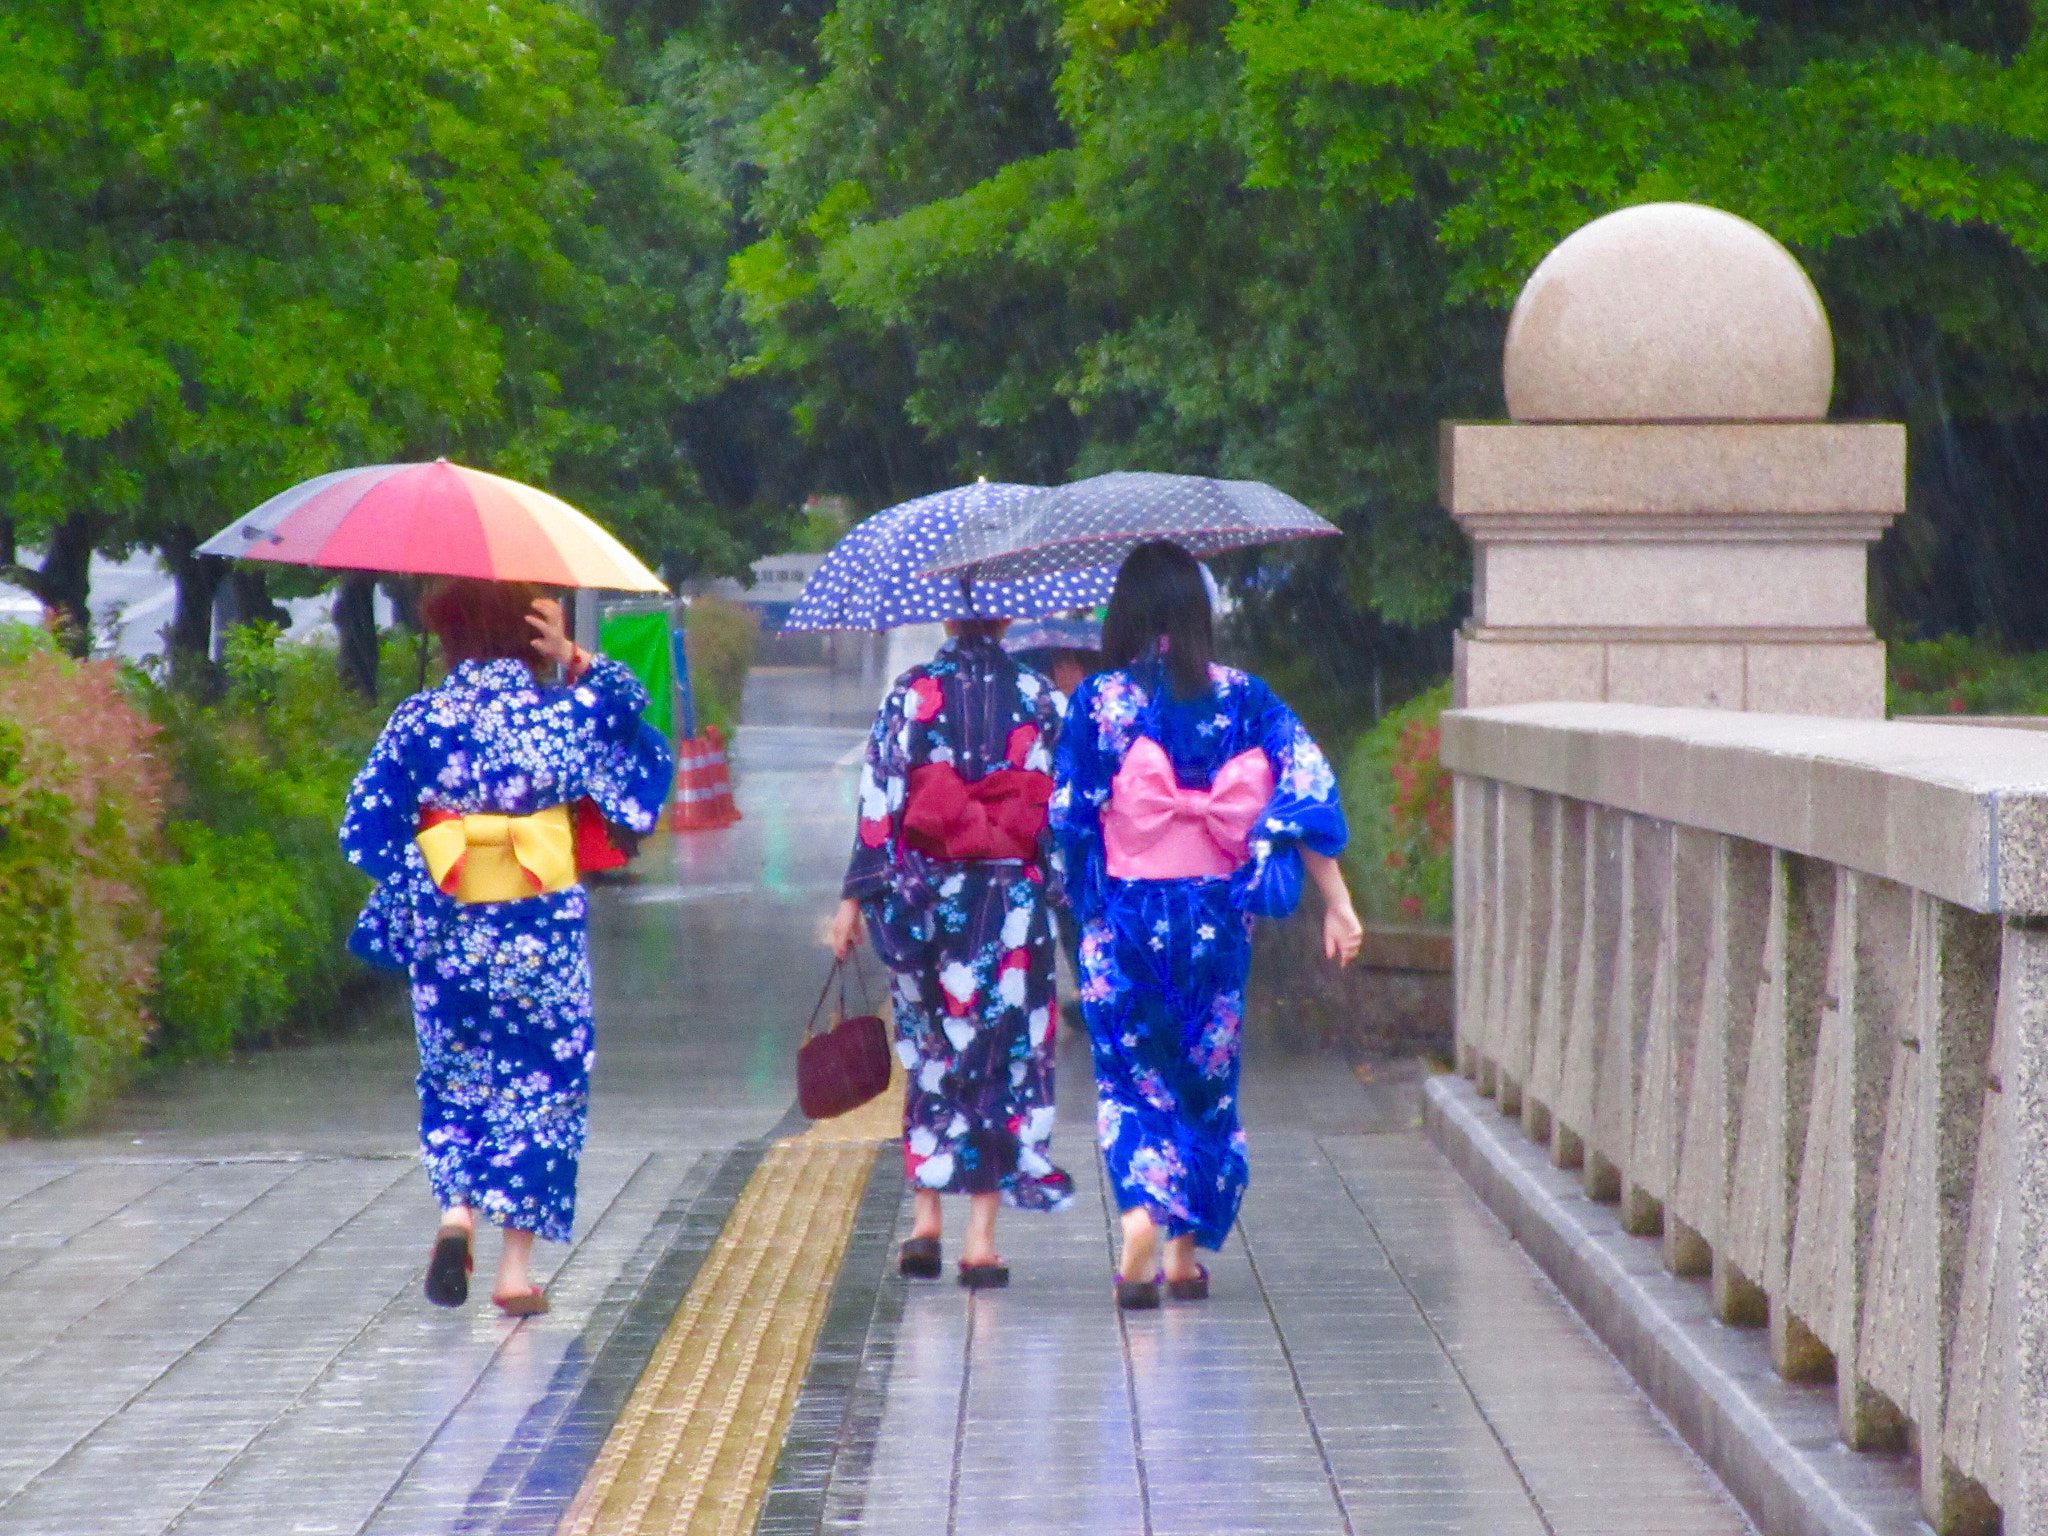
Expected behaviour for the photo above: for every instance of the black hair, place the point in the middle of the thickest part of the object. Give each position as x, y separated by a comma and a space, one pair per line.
1160, 595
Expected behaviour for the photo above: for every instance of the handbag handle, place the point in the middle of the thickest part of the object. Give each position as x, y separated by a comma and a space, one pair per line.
838, 974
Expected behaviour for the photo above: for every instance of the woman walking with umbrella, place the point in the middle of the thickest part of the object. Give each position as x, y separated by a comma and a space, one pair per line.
462, 815
951, 873
1189, 799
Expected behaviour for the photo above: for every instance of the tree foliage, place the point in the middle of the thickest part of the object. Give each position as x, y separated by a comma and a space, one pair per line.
244, 243
1279, 239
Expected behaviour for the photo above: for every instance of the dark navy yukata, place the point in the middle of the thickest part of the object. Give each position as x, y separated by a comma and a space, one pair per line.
500, 990
1164, 962
969, 943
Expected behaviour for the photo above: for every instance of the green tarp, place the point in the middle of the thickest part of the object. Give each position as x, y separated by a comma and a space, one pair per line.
641, 641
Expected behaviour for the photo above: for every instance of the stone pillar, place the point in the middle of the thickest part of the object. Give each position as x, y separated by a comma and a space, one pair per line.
1668, 518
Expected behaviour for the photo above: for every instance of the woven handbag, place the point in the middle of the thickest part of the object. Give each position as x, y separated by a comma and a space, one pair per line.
848, 1064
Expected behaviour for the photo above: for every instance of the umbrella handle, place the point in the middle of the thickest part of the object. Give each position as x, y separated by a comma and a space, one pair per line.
967, 593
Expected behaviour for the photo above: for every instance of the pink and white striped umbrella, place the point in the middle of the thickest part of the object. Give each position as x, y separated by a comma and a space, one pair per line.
437, 519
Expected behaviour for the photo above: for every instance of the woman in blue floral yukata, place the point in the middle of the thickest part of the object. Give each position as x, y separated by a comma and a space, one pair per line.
1189, 799
950, 867
463, 815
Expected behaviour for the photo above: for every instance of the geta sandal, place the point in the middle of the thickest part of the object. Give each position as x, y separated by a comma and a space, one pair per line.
1194, 1288
1137, 1295
449, 1266
919, 1259
984, 1277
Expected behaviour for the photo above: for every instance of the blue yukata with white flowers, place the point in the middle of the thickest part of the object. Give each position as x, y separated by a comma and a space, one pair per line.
1164, 962
500, 990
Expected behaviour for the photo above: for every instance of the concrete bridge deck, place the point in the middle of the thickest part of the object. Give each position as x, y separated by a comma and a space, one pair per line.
212, 1319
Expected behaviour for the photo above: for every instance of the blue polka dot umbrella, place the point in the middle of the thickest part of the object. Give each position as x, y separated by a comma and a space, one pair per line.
871, 581
1097, 522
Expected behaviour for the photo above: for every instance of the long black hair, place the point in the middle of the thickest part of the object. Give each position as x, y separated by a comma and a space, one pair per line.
1160, 595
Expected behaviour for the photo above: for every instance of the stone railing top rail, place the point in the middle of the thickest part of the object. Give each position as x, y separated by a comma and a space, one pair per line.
1961, 814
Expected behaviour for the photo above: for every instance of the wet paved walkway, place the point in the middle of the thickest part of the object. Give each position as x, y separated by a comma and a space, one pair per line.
210, 1318
1376, 1356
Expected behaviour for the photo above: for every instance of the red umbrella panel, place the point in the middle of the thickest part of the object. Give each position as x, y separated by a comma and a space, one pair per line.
436, 519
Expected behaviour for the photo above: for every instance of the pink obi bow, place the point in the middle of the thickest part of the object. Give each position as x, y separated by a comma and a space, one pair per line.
1152, 829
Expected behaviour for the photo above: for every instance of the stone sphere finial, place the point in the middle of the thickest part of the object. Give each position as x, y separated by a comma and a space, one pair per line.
1669, 312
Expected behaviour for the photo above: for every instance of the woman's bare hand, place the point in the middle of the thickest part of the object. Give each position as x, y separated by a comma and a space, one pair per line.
847, 928
551, 632
1343, 933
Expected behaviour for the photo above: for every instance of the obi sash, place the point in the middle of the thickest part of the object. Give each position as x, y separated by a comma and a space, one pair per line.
1152, 829
498, 858
999, 816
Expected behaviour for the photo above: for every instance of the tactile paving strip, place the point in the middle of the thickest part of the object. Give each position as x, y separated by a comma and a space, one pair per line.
694, 1449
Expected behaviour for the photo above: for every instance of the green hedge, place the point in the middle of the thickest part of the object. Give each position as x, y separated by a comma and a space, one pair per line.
1959, 675
81, 798
256, 898
719, 638
1397, 801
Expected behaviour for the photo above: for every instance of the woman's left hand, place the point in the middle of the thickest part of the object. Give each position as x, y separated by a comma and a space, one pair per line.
1343, 933
551, 634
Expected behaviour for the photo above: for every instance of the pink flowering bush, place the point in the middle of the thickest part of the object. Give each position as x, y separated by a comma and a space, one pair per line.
1397, 799
81, 806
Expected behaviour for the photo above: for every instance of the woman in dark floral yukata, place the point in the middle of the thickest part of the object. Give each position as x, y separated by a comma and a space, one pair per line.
463, 815
950, 867
1189, 800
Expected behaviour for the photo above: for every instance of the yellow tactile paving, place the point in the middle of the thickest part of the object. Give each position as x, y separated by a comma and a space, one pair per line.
694, 1448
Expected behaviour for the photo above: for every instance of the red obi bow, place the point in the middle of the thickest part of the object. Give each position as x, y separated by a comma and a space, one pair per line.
998, 816
1152, 829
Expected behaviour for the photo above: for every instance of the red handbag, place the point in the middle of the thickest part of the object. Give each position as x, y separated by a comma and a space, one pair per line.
845, 1066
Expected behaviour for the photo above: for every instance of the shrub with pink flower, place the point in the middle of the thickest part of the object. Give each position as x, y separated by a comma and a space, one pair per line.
1397, 798
81, 808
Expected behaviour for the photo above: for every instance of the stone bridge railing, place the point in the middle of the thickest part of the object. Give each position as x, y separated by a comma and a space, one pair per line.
1779, 986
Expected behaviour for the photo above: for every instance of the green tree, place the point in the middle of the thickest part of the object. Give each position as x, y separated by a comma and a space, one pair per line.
1280, 239
242, 244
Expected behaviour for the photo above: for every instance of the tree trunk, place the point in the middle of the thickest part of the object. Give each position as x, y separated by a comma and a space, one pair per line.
355, 620
198, 578
65, 581
249, 599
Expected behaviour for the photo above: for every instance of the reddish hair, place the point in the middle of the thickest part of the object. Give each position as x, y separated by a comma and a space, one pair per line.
481, 620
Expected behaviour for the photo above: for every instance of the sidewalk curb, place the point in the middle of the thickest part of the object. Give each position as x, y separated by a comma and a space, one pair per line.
1772, 1442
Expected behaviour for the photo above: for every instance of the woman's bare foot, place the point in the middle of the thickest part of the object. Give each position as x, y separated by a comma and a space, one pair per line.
979, 1247
513, 1259
1140, 1259
1180, 1258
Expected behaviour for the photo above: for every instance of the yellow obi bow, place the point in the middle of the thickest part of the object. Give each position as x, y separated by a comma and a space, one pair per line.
498, 858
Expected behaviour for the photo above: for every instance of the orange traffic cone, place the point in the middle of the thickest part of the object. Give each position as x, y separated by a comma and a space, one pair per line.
703, 798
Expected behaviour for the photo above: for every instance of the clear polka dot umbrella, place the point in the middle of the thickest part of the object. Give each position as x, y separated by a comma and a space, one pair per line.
1096, 522
870, 579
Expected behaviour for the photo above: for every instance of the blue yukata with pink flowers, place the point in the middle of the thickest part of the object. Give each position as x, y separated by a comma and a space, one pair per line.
500, 990
1164, 962
968, 942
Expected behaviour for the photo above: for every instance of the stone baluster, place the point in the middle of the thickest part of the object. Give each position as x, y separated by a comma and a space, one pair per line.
1524, 850
1764, 1187
1736, 878
1472, 915
1564, 904
1592, 980
2020, 1459
1956, 952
